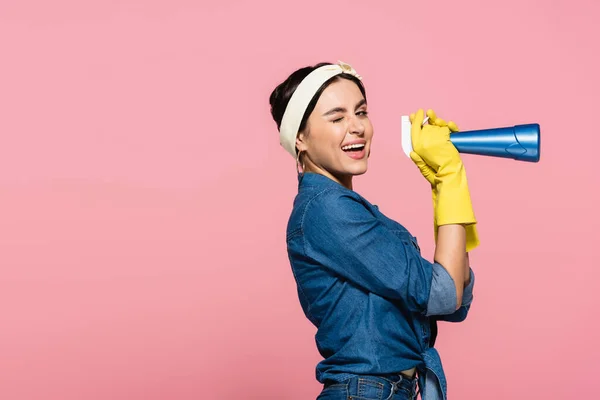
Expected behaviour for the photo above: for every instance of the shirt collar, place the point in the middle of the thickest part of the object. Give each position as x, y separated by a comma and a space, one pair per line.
306, 179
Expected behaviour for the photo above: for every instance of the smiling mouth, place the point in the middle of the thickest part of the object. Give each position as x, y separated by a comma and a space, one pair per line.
354, 148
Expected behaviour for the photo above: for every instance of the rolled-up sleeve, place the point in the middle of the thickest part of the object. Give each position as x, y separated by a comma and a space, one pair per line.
461, 314
468, 291
442, 296
342, 235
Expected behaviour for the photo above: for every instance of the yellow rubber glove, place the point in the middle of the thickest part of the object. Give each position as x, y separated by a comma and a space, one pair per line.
440, 164
425, 169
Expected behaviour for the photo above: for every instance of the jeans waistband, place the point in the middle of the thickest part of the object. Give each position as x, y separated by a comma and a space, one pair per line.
383, 386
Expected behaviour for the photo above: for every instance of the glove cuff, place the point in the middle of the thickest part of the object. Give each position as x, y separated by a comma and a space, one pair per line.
472, 237
454, 203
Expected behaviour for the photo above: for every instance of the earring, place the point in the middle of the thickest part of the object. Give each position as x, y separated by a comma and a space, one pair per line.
298, 162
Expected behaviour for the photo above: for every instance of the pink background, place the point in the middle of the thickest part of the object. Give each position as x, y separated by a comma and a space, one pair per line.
144, 194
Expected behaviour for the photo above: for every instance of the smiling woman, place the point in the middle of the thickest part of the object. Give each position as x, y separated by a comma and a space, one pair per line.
360, 275
338, 134
334, 118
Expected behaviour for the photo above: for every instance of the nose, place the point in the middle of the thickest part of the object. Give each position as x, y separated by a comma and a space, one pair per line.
356, 126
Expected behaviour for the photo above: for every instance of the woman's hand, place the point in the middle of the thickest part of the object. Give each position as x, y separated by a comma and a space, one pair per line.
431, 142
425, 169
441, 165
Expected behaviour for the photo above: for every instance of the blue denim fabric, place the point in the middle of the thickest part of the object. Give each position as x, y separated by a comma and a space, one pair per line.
366, 387
363, 283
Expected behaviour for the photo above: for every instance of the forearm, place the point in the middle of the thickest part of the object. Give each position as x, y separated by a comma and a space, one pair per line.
450, 253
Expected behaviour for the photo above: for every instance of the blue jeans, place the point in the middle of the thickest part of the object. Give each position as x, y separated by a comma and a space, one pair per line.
368, 387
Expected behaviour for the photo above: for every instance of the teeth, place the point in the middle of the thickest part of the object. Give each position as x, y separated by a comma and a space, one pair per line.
353, 146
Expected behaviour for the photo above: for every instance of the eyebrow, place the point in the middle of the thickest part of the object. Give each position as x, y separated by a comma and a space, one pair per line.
342, 109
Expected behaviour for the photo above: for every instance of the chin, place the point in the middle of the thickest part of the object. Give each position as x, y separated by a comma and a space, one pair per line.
358, 169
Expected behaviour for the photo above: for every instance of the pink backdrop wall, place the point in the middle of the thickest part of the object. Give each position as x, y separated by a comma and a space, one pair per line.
144, 194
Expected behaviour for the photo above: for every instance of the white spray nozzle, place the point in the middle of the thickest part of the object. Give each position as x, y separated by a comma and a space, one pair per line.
406, 137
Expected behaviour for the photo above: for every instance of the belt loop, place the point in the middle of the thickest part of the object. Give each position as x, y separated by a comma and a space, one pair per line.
394, 386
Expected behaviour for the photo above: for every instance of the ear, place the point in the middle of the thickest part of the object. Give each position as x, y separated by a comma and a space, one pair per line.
301, 142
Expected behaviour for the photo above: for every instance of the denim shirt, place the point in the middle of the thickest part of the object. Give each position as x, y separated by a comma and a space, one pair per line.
363, 283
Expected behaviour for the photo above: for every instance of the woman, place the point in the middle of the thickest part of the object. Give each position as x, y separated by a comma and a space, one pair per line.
360, 276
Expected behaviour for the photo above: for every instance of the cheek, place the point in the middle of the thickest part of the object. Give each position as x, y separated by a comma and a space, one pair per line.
338, 133
368, 130
333, 137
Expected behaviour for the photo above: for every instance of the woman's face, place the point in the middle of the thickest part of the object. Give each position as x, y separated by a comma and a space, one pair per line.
338, 120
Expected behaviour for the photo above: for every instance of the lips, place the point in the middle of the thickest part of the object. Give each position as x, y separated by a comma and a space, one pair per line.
354, 144
355, 149
356, 155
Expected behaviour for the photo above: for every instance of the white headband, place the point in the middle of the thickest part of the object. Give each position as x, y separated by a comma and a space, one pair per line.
290, 123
